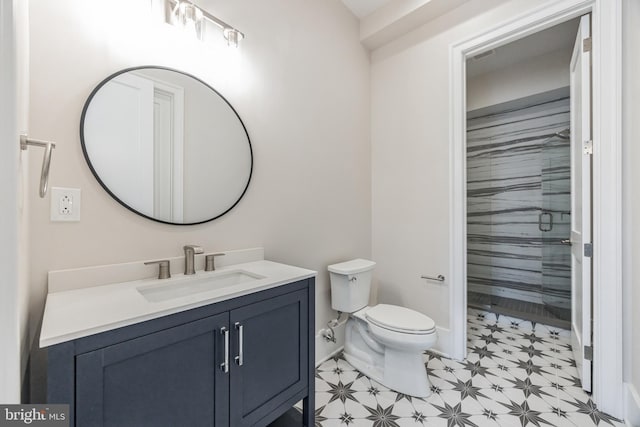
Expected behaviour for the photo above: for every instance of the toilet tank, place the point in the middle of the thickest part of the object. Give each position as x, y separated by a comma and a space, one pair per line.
350, 284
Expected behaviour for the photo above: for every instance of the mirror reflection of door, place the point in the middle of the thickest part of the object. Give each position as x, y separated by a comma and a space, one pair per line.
166, 145
581, 202
129, 102
151, 120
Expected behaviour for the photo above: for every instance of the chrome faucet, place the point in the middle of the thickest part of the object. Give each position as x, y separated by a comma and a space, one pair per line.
189, 255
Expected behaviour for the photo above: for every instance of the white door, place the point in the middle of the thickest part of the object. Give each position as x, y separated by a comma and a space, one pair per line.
124, 138
581, 201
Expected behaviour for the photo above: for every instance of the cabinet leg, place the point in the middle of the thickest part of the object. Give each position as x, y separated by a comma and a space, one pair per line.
308, 411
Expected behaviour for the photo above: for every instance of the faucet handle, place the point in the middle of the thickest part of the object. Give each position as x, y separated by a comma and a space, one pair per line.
164, 270
195, 248
209, 261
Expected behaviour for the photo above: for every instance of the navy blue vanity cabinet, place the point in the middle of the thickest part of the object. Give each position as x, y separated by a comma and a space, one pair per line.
167, 378
271, 362
171, 371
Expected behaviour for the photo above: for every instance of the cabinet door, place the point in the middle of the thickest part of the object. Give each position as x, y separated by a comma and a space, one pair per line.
168, 378
271, 356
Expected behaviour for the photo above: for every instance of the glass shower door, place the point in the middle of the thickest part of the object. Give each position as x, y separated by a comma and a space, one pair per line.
556, 206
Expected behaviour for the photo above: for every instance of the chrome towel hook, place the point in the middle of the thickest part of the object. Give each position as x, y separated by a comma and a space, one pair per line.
46, 160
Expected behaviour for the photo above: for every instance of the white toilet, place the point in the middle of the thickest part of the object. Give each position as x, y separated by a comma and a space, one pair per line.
384, 342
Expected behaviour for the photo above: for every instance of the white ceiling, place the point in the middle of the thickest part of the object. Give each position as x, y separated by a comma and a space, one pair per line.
362, 8
559, 37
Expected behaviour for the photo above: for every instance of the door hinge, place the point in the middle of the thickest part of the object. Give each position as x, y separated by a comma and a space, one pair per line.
588, 250
587, 44
588, 147
588, 352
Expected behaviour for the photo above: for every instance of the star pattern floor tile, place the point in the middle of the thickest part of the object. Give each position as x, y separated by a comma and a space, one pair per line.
517, 374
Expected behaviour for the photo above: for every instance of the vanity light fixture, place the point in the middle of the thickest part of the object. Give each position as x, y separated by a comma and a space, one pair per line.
185, 14
189, 17
233, 36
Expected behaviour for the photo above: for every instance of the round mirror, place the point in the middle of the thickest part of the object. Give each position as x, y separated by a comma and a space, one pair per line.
166, 145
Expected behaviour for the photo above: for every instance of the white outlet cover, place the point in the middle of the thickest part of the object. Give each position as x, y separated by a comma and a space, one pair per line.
65, 204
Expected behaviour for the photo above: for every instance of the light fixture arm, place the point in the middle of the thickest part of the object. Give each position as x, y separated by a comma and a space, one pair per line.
219, 22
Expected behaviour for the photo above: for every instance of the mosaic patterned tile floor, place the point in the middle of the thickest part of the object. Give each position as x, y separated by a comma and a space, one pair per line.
517, 374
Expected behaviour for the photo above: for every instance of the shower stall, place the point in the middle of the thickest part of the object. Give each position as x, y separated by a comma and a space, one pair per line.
519, 210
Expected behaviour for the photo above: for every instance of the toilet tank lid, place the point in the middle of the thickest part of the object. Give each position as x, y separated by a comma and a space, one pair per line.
352, 267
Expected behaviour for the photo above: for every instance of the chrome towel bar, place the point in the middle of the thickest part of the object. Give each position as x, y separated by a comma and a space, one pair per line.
438, 278
25, 142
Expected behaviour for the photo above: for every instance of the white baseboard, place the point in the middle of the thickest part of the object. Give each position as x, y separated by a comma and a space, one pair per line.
631, 406
327, 349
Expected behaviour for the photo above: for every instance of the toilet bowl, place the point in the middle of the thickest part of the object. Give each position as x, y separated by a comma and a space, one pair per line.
385, 342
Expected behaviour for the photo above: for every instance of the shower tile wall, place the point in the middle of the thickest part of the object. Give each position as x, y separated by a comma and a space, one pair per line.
516, 170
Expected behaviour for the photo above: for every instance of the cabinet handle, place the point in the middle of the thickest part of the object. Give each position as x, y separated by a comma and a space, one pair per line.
240, 356
225, 365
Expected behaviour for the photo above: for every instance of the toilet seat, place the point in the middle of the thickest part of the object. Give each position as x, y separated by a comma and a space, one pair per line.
400, 319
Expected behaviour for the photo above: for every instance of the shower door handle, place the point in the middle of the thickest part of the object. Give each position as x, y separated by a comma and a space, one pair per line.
566, 242
545, 225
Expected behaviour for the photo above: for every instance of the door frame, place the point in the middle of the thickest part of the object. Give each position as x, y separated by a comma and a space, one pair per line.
10, 339
176, 157
607, 179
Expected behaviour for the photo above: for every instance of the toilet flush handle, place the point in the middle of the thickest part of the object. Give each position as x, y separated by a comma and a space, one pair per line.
353, 279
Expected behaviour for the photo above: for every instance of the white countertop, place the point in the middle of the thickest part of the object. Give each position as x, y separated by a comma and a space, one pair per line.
78, 313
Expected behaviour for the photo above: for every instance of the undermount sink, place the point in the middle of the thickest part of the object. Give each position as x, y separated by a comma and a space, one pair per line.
188, 285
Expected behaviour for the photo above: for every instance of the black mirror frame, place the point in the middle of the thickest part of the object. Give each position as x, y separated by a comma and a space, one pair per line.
104, 186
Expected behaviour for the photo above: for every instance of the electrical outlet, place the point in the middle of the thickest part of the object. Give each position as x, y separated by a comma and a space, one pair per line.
65, 204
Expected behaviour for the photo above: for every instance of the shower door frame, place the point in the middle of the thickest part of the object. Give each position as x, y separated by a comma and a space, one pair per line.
607, 179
